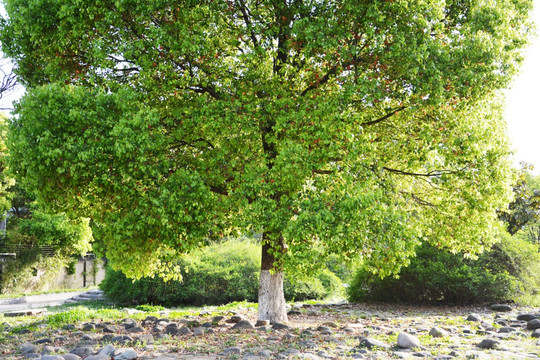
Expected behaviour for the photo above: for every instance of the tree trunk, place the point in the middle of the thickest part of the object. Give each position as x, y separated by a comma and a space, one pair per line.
271, 297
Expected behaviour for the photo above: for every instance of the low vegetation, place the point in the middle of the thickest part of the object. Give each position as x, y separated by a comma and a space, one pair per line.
508, 272
218, 274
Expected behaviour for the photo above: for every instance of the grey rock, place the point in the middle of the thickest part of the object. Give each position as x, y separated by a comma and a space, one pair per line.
280, 326
533, 324
125, 354
294, 312
70, 357
27, 348
136, 329
83, 351
198, 331
146, 338
507, 329
407, 341
401, 355
488, 344
107, 337
193, 324
265, 353
52, 357
44, 341
98, 357
262, 323
324, 354
235, 319
151, 318
109, 329
184, 330
527, 317
242, 324
500, 307
231, 351
369, 343
330, 324
437, 332
217, 319
536, 333
68, 327
47, 350
89, 327
474, 318
31, 355
107, 350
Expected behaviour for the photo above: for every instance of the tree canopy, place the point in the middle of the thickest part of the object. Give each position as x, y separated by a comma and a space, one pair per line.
360, 128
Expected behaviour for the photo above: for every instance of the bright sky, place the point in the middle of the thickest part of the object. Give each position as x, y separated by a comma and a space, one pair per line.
522, 110
523, 105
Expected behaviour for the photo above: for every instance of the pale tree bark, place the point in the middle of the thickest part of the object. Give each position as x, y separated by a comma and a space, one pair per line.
271, 296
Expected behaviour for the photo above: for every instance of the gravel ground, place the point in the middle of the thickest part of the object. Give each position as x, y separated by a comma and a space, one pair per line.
333, 331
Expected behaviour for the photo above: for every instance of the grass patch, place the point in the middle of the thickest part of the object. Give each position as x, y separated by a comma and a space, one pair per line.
529, 300
83, 314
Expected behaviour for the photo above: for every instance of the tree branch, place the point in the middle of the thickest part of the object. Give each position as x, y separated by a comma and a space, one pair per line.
323, 80
390, 114
185, 143
247, 20
433, 173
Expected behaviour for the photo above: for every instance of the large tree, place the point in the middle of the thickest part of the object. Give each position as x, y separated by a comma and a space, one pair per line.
360, 128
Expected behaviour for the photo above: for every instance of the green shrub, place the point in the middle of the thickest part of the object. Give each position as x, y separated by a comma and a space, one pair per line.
218, 274
508, 270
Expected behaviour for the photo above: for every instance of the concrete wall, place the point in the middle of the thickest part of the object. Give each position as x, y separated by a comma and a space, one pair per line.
88, 272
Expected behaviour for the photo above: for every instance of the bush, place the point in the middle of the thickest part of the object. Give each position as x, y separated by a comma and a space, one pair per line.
219, 274
508, 270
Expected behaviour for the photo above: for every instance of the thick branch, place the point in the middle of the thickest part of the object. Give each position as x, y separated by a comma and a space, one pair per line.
322, 81
390, 114
185, 143
247, 20
219, 190
433, 173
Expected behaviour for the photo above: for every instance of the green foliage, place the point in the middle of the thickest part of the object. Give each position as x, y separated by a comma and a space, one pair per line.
31, 270
506, 272
219, 274
346, 127
66, 236
6, 181
150, 308
525, 208
323, 285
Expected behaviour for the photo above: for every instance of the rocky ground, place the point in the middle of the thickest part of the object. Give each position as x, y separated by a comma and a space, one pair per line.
338, 331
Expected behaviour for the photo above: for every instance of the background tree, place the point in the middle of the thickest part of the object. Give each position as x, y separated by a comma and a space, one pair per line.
525, 208
6, 182
359, 128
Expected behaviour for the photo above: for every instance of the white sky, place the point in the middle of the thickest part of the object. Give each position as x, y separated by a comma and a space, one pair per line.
522, 109
523, 105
